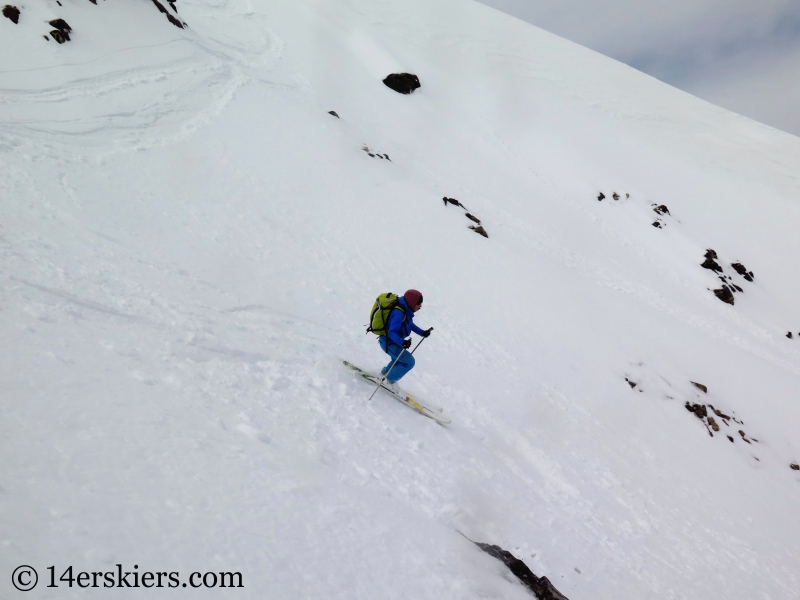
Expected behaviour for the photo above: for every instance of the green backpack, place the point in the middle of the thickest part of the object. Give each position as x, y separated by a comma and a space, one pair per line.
379, 316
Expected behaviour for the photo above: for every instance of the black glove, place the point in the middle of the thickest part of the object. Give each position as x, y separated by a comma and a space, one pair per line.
407, 343
427, 332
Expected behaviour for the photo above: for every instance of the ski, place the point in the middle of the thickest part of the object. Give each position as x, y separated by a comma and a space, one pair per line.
405, 397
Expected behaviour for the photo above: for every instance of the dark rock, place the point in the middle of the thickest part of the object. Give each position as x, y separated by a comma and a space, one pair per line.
699, 410
724, 294
710, 254
737, 288
794, 466
661, 209
719, 413
601, 197
615, 196
710, 263
170, 18
631, 383
172, 4
730, 438
333, 112
540, 586
373, 154
404, 83
61, 31
700, 386
742, 270
656, 224
453, 201
627, 195
789, 334
479, 229
59, 36
11, 12
93, 2
473, 219
61, 25
713, 423
741, 433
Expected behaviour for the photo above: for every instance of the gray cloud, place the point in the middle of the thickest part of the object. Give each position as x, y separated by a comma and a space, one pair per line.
739, 54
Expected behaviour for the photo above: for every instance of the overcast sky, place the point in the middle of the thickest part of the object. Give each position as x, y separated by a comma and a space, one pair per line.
743, 55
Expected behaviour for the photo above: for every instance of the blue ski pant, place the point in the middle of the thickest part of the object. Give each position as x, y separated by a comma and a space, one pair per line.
404, 364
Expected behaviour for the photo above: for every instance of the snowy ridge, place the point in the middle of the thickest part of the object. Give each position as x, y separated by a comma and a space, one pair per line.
190, 243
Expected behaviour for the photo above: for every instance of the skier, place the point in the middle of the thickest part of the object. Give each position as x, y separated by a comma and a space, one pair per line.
395, 344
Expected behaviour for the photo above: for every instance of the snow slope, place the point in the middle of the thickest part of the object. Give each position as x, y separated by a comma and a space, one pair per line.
190, 245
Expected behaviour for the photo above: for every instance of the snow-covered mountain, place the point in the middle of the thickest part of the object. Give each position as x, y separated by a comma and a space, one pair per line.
191, 244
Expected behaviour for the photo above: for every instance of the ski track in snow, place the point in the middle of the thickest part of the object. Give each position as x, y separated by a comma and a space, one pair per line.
171, 88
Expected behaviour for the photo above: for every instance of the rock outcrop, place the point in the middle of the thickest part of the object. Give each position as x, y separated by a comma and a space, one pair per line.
479, 229
542, 588
711, 262
725, 294
742, 270
170, 17
11, 12
403, 83
61, 31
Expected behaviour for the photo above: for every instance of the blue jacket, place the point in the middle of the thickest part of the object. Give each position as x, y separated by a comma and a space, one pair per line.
400, 328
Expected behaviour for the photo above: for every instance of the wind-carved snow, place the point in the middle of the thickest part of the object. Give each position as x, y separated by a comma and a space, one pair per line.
128, 79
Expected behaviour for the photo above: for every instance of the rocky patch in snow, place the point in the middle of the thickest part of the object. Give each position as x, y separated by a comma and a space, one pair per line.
374, 154
11, 12
601, 196
61, 30
794, 467
661, 210
334, 113
453, 201
403, 83
701, 411
729, 288
171, 18
540, 586
711, 416
742, 270
478, 227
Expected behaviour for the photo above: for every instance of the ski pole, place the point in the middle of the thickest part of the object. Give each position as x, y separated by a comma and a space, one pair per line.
383, 378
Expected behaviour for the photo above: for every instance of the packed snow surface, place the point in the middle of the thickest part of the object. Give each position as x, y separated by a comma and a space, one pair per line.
190, 245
